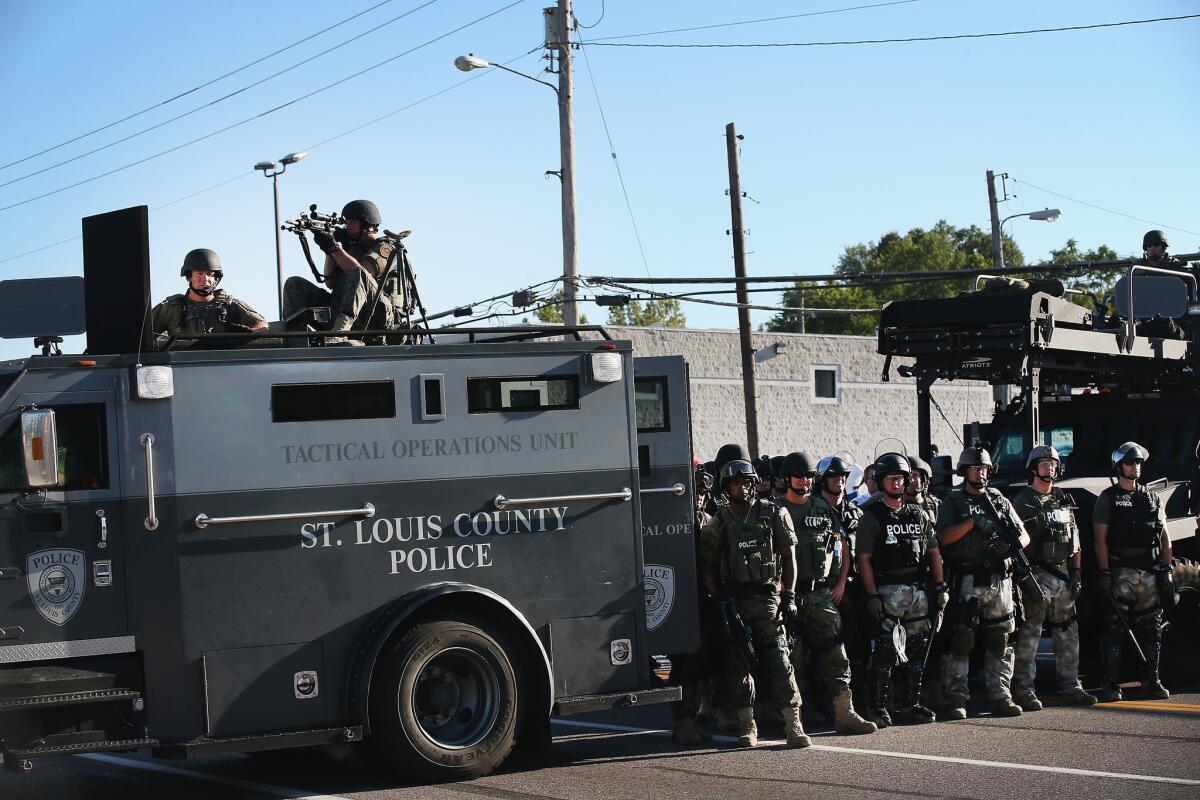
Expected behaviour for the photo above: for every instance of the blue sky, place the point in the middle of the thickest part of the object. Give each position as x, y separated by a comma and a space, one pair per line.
842, 144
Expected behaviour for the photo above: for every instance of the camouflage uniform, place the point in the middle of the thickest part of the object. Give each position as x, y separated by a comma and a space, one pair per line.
1054, 540
350, 292
180, 315
743, 550
981, 598
929, 504
689, 670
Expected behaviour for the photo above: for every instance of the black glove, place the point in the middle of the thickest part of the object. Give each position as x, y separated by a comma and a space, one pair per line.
985, 525
1075, 581
875, 607
324, 241
1105, 581
997, 547
787, 607
340, 235
941, 595
1167, 597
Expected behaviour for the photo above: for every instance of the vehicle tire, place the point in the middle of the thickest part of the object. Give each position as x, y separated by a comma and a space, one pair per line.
445, 699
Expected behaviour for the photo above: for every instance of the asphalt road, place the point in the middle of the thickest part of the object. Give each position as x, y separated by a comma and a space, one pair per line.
1131, 749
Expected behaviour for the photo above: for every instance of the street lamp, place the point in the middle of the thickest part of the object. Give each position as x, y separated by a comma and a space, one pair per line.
560, 40
1045, 215
273, 170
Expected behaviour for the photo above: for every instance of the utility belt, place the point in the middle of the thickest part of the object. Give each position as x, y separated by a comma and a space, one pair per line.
1056, 568
806, 587
1140, 558
753, 589
983, 570
915, 578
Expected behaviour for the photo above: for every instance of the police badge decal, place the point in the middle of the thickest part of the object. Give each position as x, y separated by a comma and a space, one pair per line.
56, 579
659, 582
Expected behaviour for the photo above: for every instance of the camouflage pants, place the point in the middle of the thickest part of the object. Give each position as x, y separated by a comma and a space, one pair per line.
1135, 589
820, 632
761, 613
1059, 616
905, 603
353, 291
995, 609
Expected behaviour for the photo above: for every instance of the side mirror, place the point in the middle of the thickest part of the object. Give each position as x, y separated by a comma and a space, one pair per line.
39, 442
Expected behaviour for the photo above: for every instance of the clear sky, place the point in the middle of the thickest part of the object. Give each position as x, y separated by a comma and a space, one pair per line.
842, 144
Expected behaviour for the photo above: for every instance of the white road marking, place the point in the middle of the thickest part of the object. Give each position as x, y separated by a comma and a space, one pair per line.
237, 783
1088, 773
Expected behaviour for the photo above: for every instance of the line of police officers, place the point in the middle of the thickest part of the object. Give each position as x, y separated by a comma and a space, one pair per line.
862, 590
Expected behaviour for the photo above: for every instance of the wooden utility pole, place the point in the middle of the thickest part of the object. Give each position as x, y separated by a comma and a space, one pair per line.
994, 210
743, 297
558, 40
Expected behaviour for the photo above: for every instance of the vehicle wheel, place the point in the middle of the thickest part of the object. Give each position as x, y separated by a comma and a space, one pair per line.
444, 700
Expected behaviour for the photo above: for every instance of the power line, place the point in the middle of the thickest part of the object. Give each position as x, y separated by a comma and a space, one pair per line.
905, 39
194, 89
220, 99
259, 115
612, 149
751, 306
752, 21
594, 24
1102, 208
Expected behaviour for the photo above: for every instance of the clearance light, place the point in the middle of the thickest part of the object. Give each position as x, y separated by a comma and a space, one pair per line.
606, 367
155, 383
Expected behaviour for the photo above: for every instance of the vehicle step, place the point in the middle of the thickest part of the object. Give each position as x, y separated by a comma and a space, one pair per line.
47, 679
103, 746
67, 699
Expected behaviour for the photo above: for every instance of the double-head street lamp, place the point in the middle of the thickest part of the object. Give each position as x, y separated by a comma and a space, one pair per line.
272, 170
559, 40
1045, 215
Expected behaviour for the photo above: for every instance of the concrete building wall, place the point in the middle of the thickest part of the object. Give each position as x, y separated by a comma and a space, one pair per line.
791, 416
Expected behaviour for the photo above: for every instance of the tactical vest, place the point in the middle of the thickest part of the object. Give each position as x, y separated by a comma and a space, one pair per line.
818, 546
968, 551
748, 546
1052, 541
1133, 527
904, 540
185, 318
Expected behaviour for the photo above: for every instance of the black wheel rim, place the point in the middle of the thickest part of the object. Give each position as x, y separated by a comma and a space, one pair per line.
456, 698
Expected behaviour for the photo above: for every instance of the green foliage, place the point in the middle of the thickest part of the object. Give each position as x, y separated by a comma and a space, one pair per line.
942, 247
551, 311
664, 313
1100, 282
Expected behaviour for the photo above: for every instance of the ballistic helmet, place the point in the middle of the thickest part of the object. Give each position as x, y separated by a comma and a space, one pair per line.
777, 467
1041, 453
1154, 237
974, 457
918, 464
704, 481
736, 469
1129, 452
727, 453
834, 465
762, 468
801, 464
363, 210
891, 464
202, 259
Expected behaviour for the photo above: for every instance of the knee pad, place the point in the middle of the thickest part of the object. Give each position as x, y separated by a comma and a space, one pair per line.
963, 641
996, 641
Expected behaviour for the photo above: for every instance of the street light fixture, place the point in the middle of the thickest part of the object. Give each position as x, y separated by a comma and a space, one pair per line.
1045, 215
273, 170
559, 40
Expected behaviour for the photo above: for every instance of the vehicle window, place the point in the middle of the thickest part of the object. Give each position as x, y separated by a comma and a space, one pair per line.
650, 401
547, 393
322, 402
82, 450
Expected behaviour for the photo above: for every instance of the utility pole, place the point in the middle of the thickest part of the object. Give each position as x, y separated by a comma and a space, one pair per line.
558, 42
994, 209
743, 297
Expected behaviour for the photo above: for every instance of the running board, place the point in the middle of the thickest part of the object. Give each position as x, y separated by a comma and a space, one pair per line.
265, 741
18, 760
582, 704
67, 699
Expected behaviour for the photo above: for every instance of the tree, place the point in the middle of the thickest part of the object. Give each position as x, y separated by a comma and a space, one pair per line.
1100, 282
942, 247
664, 312
551, 311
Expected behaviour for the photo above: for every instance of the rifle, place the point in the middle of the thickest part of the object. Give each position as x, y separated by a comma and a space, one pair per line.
313, 221
737, 632
1009, 534
1116, 609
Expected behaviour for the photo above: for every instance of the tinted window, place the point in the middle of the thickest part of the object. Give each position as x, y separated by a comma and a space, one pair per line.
318, 402
650, 400
522, 394
82, 433
825, 383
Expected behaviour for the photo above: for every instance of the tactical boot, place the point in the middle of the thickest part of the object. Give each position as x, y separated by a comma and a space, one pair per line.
747, 730
1110, 655
793, 729
1005, 708
1029, 702
1078, 697
880, 717
957, 712
914, 711
685, 732
1109, 693
1154, 690
846, 720
342, 322
1152, 638
726, 722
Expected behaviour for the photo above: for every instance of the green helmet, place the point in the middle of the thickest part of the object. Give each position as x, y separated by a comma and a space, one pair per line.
974, 457
201, 259
1154, 237
799, 464
1129, 452
736, 469
364, 211
1041, 453
891, 464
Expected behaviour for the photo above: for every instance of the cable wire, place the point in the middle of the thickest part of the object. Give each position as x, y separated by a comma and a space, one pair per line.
260, 114
751, 306
907, 39
195, 89
579, 24
1102, 208
217, 100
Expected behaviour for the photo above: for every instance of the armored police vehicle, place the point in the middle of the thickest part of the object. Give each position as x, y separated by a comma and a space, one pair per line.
430, 548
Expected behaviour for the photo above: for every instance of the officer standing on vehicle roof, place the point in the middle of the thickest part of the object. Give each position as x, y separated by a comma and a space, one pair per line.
1133, 554
981, 588
821, 568
744, 550
1054, 553
355, 258
203, 308
918, 488
897, 556
1154, 247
